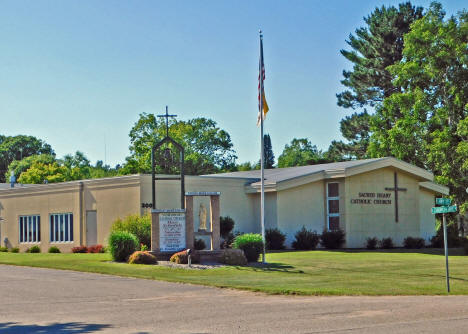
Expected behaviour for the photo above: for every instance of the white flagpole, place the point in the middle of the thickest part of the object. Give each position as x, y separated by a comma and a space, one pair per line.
262, 174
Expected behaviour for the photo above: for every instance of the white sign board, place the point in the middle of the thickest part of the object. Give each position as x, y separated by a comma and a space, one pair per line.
172, 232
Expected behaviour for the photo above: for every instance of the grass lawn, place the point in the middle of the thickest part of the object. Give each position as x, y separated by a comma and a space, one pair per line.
394, 272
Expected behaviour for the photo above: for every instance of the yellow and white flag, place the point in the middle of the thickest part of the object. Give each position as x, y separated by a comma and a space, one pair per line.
262, 103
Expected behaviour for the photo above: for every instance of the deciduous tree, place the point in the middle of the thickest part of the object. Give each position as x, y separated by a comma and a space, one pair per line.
428, 117
208, 149
19, 147
300, 152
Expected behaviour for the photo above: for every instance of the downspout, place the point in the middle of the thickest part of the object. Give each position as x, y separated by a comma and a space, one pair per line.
81, 200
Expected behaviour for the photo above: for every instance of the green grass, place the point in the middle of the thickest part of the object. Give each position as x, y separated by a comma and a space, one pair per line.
395, 272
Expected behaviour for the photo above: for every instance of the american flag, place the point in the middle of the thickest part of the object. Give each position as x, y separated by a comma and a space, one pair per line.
262, 104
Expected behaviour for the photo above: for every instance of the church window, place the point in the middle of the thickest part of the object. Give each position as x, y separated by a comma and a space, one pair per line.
61, 227
333, 206
30, 228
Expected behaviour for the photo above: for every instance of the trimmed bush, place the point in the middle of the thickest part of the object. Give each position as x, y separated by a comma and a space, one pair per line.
386, 243
139, 226
226, 225
54, 249
411, 242
199, 244
305, 239
227, 242
332, 239
182, 257
140, 257
465, 245
233, 257
3, 249
371, 243
95, 249
121, 245
453, 240
14, 250
274, 239
80, 249
251, 244
34, 249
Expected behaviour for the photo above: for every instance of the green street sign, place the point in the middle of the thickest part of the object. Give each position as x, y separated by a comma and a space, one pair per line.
444, 209
443, 201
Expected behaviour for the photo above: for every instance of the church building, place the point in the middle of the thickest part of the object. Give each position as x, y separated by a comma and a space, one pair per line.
382, 197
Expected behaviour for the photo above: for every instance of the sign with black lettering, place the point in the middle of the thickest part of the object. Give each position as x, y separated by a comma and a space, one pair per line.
372, 198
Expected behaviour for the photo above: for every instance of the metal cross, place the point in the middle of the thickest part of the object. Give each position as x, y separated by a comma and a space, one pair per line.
396, 190
167, 120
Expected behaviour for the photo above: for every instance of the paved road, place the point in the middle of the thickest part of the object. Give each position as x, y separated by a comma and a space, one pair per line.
34, 300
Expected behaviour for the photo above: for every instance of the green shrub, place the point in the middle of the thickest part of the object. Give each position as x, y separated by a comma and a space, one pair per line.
4, 249
140, 257
251, 244
233, 257
453, 240
332, 239
411, 242
274, 239
34, 249
54, 249
305, 239
199, 244
386, 243
139, 226
465, 245
371, 243
226, 224
14, 250
143, 247
182, 257
227, 242
122, 244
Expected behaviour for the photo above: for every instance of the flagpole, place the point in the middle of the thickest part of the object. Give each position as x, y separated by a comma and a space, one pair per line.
262, 154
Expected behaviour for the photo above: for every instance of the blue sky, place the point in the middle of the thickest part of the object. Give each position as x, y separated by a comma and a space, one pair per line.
78, 73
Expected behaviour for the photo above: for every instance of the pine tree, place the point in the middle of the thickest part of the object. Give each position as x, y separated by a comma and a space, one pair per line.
374, 48
268, 156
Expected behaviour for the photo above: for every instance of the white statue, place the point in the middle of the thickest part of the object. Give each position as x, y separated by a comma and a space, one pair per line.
202, 216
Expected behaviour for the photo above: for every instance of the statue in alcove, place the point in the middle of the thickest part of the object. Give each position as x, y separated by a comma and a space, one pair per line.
202, 213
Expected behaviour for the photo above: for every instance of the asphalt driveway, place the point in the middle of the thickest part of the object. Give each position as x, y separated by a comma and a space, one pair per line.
34, 300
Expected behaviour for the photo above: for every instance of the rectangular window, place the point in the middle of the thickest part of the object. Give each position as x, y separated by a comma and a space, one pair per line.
333, 206
29, 228
61, 227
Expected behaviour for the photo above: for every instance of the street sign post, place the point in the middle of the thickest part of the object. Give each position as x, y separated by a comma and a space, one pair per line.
443, 210
443, 201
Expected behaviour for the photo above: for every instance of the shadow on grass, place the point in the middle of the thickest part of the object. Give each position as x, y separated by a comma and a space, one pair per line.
271, 267
429, 251
59, 328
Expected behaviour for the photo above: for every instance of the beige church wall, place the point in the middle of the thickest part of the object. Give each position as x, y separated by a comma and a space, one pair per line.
378, 220
110, 202
301, 206
427, 219
271, 212
234, 202
39, 201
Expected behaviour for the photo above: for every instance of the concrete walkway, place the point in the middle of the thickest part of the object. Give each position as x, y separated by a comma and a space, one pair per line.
34, 300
